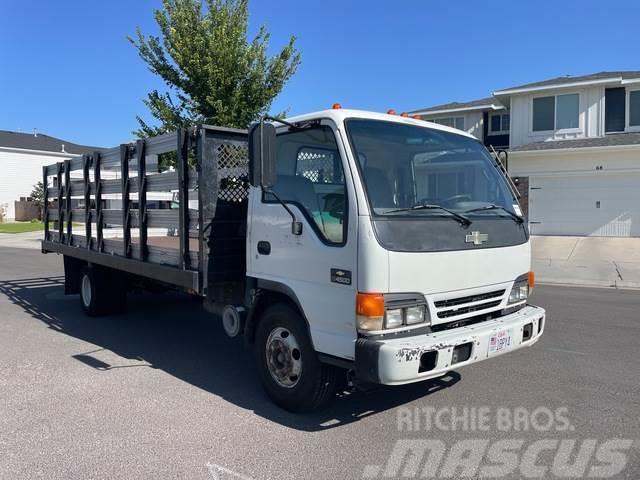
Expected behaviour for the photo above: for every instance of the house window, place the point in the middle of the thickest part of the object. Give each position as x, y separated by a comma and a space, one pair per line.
499, 123
567, 111
614, 109
454, 122
634, 108
556, 112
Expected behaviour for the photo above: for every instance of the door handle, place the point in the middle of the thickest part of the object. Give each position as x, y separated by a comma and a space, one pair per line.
264, 248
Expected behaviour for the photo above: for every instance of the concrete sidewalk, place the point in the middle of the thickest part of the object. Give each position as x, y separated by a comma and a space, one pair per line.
29, 240
589, 261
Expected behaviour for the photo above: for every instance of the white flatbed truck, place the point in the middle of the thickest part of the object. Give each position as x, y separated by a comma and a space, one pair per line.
340, 243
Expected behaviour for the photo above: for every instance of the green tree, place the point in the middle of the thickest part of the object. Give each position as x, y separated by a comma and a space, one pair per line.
37, 197
213, 73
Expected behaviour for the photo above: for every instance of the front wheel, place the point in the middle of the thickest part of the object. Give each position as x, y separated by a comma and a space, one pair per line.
288, 366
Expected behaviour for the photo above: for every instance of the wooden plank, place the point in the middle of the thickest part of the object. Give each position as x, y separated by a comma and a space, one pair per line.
156, 182
168, 181
110, 158
77, 188
156, 217
52, 170
161, 250
161, 144
75, 163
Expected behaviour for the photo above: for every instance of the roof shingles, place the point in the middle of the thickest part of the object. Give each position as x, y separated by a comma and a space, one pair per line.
41, 142
559, 81
611, 140
461, 105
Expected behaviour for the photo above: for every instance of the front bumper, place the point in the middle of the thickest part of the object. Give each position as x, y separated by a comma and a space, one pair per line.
398, 361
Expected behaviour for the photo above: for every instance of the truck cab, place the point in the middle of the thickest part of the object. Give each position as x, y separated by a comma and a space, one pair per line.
386, 245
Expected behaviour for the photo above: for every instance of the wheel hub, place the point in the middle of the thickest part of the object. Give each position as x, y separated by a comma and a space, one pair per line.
86, 290
284, 360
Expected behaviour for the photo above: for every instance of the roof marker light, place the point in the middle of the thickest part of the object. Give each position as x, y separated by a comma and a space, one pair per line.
404, 114
391, 111
336, 106
417, 117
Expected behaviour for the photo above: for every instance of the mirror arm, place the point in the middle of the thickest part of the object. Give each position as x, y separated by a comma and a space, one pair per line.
296, 226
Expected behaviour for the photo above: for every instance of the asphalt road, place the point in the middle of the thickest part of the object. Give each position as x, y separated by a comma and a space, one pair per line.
161, 393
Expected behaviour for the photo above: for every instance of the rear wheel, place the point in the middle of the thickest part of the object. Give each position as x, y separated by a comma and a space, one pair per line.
288, 366
102, 291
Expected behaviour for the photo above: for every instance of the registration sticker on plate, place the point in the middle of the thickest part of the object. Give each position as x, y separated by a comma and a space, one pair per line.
500, 341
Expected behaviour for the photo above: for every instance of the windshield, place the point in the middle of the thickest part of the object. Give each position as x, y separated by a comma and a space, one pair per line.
407, 166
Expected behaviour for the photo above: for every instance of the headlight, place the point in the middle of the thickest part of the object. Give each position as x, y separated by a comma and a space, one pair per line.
415, 314
375, 311
521, 288
519, 293
393, 318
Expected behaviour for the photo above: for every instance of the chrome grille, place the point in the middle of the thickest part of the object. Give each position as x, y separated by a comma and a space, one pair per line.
463, 310
460, 306
451, 302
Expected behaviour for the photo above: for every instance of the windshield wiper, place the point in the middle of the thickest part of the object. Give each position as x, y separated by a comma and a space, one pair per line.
517, 218
426, 206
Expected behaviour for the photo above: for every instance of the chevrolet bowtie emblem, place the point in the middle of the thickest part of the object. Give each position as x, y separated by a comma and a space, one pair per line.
476, 238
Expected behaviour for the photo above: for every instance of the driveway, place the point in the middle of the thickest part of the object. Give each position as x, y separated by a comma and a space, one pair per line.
589, 261
21, 240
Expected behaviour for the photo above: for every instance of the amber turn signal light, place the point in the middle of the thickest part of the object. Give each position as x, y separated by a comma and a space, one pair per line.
370, 311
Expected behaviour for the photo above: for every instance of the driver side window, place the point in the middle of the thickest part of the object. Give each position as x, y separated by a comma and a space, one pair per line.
310, 176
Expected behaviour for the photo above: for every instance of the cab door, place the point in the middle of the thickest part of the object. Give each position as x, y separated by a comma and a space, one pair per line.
318, 266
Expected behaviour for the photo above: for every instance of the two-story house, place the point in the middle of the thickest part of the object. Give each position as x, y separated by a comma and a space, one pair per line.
574, 151
486, 119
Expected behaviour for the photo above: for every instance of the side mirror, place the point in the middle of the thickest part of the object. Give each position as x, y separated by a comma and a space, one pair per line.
262, 155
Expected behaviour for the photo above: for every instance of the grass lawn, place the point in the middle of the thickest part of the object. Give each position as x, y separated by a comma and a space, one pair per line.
20, 227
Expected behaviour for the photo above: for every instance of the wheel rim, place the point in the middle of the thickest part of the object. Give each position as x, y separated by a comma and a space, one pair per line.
284, 359
86, 290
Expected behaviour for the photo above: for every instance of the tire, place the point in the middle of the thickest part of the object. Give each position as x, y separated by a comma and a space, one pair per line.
102, 291
288, 366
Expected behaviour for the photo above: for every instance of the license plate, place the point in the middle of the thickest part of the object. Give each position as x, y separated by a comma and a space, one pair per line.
500, 341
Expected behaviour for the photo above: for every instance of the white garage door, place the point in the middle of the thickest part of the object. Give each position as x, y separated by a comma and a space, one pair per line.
600, 205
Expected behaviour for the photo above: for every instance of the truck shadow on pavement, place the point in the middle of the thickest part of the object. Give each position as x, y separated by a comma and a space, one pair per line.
171, 333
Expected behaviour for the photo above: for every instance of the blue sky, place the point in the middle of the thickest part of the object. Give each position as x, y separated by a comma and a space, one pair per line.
67, 69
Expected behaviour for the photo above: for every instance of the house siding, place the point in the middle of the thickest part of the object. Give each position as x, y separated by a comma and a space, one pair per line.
583, 161
21, 170
590, 115
473, 121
